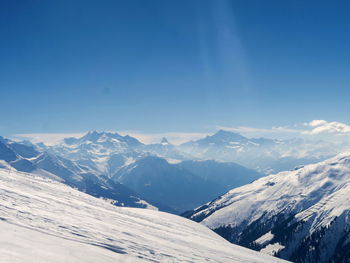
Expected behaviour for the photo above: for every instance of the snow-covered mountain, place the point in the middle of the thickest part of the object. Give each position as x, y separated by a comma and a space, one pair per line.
107, 152
167, 150
16, 155
26, 158
45, 221
103, 152
301, 215
261, 154
98, 150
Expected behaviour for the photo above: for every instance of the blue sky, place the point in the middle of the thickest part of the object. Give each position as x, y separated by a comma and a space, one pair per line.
172, 66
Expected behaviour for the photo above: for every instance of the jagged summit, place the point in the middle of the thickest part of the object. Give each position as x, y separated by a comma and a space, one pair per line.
100, 137
95, 135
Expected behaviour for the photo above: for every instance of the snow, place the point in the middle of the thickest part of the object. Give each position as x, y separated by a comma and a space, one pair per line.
129, 160
264, 238
173, 161
148, 205
4, 164
254, 143
20, 244
271, 249
45, 221
47, 174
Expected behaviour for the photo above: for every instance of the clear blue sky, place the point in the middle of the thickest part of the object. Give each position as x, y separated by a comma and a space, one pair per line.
171, 65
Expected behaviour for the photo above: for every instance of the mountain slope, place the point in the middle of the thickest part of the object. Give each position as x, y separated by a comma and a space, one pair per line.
157, 180
301, 215
226, 174
46, 221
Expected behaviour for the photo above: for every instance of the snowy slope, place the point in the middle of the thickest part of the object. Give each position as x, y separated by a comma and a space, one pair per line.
21, 244
46, 221
301, 215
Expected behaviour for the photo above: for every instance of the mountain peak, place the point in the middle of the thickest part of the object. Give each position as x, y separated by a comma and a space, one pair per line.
164, 141
95, 135
103, 137
228, 135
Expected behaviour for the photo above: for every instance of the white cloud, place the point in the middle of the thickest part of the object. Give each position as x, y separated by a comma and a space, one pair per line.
316, 123
325, 127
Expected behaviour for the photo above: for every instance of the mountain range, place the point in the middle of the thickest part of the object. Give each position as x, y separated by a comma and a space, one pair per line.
157, 172
261, 154
173, 178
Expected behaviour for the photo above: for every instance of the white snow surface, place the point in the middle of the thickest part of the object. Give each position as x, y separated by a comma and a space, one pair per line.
45, 221
271, 249
264, 238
